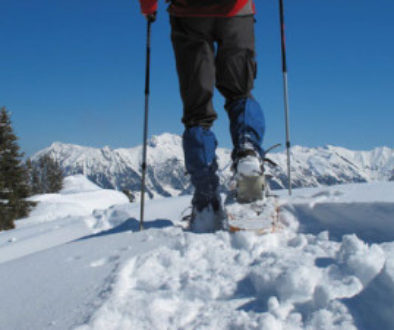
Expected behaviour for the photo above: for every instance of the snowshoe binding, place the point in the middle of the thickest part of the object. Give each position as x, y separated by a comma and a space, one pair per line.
249, 177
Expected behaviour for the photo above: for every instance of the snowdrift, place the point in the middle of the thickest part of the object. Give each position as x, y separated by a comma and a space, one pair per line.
330, 267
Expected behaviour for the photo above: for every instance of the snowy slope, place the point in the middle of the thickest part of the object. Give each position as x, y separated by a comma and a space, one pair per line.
331, 266
311, 167
63, 215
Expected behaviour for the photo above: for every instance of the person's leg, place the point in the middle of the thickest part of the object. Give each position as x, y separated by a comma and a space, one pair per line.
236, 71
194, 51
195, 61
199, 146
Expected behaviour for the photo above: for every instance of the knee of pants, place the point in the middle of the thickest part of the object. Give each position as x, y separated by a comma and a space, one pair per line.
236, 73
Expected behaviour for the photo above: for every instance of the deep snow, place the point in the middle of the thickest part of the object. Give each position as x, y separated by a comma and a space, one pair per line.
79, 262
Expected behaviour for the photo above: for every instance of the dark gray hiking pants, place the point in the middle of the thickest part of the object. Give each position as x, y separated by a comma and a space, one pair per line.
230, 66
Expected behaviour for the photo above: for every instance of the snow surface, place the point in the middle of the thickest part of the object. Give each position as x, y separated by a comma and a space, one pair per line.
79, 262
58, 218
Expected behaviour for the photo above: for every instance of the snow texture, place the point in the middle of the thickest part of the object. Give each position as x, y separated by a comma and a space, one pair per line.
330, 267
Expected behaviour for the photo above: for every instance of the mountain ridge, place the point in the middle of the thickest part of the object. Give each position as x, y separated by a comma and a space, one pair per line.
166, 175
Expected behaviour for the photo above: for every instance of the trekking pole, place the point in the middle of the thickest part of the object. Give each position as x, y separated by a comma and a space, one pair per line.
285, 89
144, 149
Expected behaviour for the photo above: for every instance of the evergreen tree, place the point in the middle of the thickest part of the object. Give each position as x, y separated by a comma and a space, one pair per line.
34, 178
51, 174
14, 181
6, 222
46, 176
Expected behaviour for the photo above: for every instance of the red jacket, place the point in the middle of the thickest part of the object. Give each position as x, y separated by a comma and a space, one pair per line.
203, 8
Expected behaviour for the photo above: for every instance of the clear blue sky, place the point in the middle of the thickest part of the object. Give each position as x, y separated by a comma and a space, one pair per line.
73, 71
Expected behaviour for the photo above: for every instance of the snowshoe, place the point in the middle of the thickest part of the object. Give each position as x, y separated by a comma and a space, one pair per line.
260, 216
207, 220
207, 217
249, 206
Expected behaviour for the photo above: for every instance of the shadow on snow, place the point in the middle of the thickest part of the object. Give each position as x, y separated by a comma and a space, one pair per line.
131, 225
372, 222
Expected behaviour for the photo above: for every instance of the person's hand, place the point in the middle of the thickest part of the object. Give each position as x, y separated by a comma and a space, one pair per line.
151, 17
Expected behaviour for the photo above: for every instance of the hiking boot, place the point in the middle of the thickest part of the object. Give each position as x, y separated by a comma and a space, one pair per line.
249, 176
207, 213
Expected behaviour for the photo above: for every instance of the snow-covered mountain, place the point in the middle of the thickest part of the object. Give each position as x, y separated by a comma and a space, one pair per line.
166, 176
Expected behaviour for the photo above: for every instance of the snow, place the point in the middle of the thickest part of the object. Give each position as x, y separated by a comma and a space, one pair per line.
166, 176
79, 197
59, 218
79, 262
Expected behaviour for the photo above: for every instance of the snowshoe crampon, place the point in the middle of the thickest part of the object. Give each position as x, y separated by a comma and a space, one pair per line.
260, 216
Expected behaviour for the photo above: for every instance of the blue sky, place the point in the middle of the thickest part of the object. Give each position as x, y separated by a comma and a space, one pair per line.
73, 71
